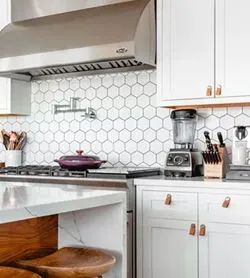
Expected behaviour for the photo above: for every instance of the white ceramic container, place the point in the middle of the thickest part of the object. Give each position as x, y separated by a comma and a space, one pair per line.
13, 158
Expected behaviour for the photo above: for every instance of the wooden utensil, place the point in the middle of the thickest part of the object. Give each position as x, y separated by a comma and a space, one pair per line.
22, 141
7, 272
13, 140
5, 137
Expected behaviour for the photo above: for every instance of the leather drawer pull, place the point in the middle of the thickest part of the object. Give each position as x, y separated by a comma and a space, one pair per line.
209, 91
226, 202
168, 200
202, 230
219, 90
192, 230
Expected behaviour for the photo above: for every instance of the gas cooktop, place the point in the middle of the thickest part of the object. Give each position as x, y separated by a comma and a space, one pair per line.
41, 170
56, 171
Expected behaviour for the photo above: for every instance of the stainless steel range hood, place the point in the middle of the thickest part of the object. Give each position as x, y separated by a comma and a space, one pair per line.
71, 36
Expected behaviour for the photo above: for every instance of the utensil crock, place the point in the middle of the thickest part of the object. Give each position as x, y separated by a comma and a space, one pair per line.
13, 158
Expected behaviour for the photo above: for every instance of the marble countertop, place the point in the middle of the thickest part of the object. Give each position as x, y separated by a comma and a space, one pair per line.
19, 201
100, 182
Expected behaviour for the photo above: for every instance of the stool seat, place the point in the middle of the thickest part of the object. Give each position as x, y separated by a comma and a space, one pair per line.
8, 272
71, 262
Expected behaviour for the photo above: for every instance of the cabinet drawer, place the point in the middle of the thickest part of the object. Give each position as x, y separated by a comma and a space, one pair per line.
180, 205
236, 209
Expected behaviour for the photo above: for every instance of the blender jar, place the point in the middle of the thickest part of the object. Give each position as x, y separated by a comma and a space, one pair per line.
184, 127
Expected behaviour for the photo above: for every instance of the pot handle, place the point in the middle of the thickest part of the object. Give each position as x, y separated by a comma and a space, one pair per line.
79, 152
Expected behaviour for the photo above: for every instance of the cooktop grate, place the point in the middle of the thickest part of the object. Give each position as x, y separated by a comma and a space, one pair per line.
42, 170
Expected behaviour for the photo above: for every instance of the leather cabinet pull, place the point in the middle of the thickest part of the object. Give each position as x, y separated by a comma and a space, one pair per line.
192, 230
202, 230
168, 200
226, 202
218, 91
209, 91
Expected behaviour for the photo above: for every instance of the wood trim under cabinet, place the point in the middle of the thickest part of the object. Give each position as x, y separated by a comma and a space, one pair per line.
243, 104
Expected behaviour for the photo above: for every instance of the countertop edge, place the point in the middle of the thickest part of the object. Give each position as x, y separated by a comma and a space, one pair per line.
40, 209
197, 182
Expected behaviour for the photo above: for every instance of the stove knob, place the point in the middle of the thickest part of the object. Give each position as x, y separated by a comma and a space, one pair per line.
170, 158
186, 159
178, 160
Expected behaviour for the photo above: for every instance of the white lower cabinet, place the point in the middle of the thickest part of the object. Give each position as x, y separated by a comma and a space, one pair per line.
212, 240
224, 249
173, 252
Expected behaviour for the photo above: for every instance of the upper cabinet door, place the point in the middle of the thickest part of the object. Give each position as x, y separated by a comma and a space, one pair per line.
232, 47
5, 15
5, 85
185, 49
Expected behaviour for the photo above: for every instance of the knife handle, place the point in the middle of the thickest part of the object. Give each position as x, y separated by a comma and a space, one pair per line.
204, 157
220, 138
208, 141
217, 152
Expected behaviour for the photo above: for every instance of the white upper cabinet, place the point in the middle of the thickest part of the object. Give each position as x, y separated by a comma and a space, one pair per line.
203, 52
232, 47
15, 97
185, 48
14, 94
4, 13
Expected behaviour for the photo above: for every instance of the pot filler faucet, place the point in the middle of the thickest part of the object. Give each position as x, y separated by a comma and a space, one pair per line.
74, 106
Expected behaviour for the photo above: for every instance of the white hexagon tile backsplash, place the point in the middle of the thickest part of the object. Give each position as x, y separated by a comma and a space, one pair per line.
129, 129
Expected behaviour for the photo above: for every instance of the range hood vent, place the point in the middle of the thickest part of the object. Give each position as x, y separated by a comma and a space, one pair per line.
106, 36
84, 69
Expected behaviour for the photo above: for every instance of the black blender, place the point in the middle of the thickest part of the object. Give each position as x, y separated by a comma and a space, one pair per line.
183, 160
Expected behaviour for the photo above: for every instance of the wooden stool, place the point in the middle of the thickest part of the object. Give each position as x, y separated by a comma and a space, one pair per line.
71, 262
8, 272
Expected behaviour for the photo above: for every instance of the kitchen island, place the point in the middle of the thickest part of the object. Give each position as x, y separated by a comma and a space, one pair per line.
55, 216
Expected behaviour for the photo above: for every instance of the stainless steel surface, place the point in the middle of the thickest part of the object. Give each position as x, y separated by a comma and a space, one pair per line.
37, 8
238, 172
131, 243
74, 106
238, 175
239, 167
183, 163
124, 170
74, 38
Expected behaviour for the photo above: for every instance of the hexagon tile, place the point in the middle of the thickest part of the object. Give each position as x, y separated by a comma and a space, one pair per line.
129, 130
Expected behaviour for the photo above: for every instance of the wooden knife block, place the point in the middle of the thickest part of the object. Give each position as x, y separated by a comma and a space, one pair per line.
217, 170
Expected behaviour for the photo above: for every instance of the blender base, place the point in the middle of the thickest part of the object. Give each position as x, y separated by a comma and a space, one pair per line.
183, 163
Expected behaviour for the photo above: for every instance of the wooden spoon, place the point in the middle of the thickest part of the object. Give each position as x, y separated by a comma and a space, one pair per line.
22, 141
